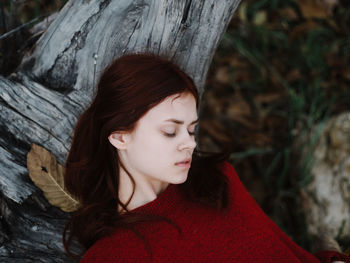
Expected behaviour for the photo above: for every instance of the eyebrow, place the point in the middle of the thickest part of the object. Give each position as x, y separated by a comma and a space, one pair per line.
181, 122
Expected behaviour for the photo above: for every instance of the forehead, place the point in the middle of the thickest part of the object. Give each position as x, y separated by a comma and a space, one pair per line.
182, 107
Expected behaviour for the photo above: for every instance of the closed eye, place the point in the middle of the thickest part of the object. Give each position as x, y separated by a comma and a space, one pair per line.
174, 134
169, 134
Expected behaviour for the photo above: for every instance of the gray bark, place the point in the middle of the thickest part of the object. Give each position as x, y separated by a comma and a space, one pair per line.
41, 102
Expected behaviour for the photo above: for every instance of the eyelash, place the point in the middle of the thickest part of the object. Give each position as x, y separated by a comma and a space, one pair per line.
173, 134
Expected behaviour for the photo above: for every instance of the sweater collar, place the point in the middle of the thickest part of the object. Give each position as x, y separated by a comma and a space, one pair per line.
164, 202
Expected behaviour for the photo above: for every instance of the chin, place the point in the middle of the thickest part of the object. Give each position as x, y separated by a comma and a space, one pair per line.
180, 179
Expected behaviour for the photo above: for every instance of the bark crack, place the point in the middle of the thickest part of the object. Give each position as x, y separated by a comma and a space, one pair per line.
31, 120
65, 62
163, 29
186, 11
51, 103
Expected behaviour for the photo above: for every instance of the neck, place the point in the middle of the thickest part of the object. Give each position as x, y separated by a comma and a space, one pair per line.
145, 191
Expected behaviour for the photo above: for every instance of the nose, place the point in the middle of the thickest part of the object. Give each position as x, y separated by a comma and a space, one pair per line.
188, 143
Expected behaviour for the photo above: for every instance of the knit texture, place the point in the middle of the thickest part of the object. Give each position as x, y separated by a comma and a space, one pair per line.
243, 233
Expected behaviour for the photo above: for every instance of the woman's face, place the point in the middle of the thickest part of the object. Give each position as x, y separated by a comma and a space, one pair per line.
163, 137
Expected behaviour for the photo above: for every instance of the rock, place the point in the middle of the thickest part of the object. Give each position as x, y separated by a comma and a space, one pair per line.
326, 200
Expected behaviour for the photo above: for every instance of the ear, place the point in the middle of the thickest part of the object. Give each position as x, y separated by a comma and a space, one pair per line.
119, 140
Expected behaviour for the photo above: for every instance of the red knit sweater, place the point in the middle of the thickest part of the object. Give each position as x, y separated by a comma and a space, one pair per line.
242, 234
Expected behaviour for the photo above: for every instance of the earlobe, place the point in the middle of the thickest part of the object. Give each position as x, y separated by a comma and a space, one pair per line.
118, 140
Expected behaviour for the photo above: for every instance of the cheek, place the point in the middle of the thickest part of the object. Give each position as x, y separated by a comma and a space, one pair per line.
151, 150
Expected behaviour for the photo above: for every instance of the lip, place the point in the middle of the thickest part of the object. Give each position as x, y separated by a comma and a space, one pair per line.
185, 163
185, 160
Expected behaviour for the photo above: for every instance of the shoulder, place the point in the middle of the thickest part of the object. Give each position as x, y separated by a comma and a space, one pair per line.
122, 246
227, 168
230, 172
238, 192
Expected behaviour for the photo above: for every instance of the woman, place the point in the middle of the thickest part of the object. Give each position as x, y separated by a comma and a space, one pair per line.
146, 193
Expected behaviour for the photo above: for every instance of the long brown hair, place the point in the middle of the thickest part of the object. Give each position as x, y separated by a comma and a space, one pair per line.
127, 89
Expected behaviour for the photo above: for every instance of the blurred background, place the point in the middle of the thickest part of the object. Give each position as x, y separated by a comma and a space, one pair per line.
280, 73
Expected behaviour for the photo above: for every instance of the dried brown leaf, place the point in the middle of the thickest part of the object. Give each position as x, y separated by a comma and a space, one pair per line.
289, 13
293, 75
312, 9
222, 75
238, 108
236, 62
215, 130
303, 28
47, 174
330, 5
267, 98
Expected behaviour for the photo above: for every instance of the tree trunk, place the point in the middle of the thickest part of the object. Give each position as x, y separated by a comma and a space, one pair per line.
41, 102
